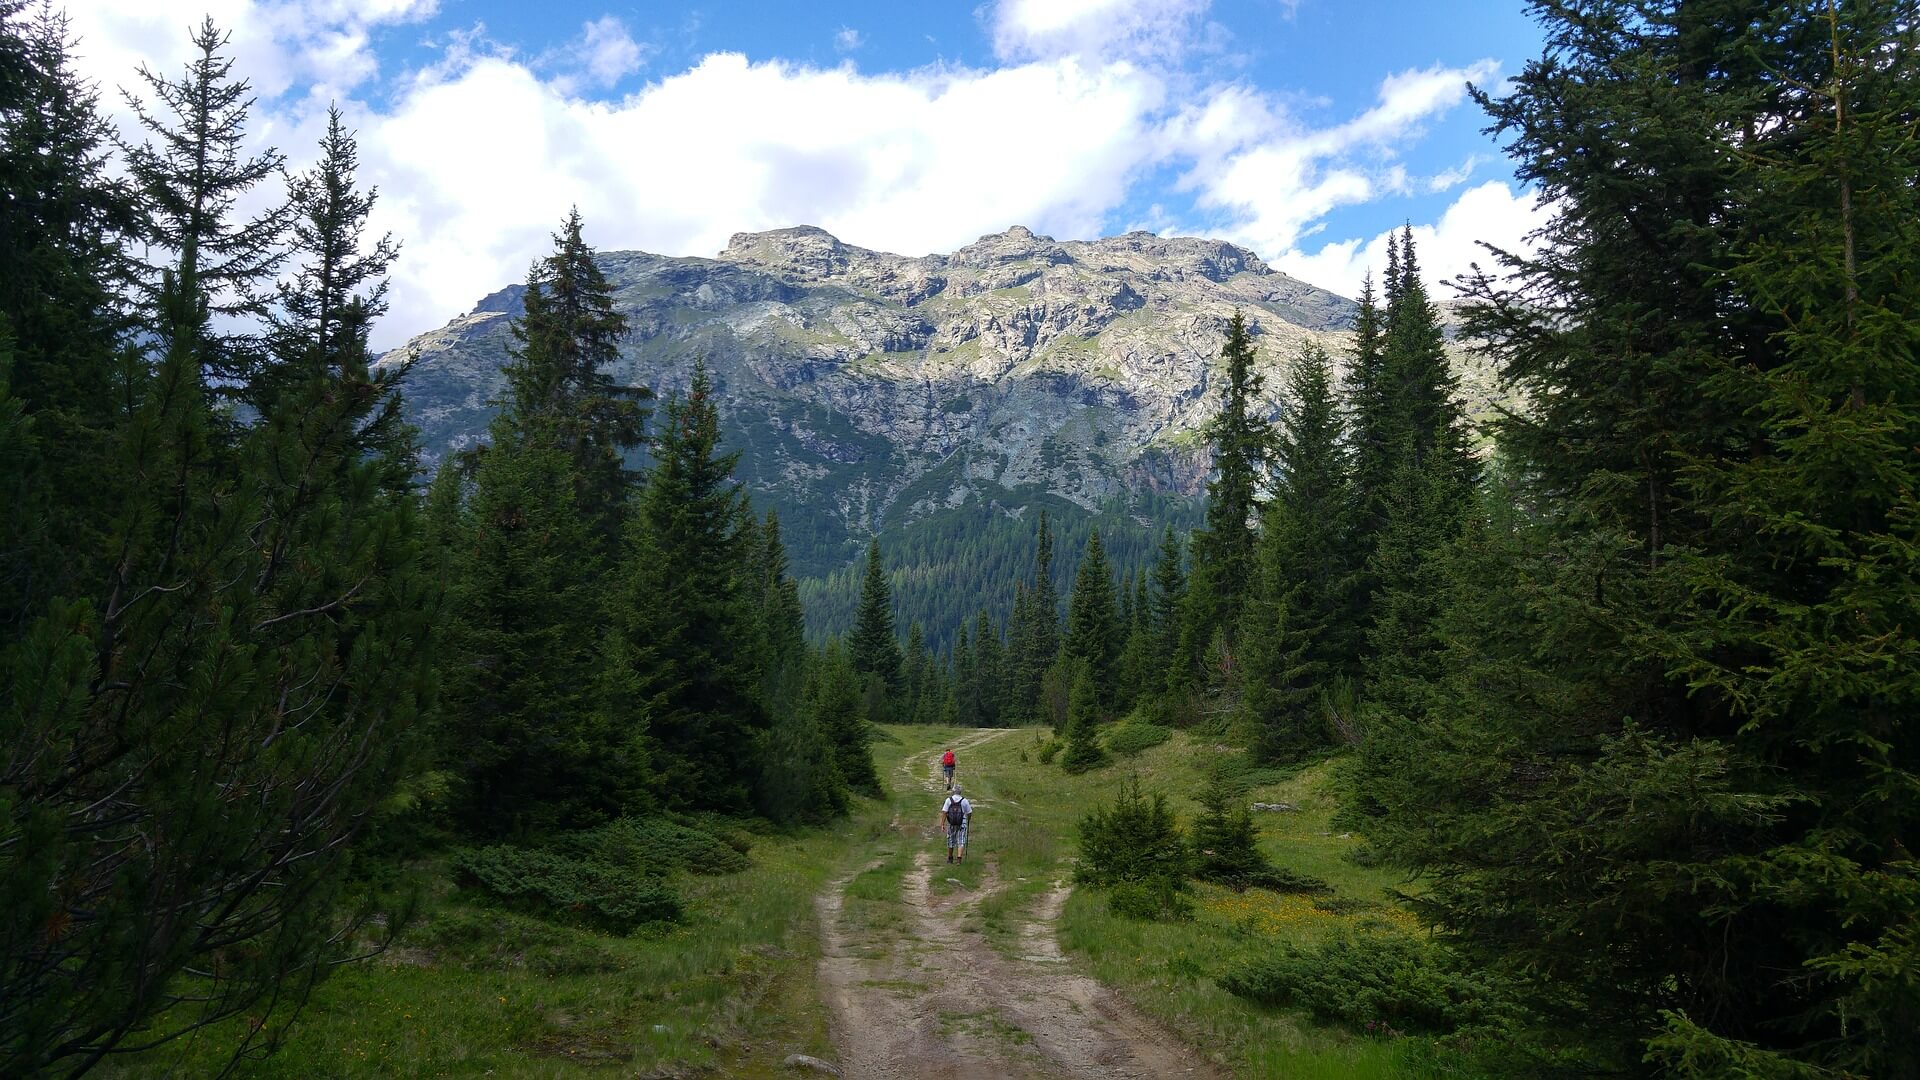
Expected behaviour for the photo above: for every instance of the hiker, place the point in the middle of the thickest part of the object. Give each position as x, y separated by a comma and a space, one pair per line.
955, 812
946, 766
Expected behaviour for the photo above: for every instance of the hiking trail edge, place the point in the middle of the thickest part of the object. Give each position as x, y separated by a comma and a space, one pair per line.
926, 995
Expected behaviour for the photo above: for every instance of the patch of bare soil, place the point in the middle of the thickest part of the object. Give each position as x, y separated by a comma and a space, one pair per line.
929, 997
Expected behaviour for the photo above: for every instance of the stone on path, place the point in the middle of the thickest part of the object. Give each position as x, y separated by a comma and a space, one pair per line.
811, 1064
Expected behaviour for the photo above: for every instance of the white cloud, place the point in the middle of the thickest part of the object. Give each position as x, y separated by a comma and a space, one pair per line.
478, 154
848, 39
915, 163
1094, 28
1490, 213
601, 56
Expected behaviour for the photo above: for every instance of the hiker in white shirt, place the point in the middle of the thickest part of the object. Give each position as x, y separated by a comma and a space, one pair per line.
955, 813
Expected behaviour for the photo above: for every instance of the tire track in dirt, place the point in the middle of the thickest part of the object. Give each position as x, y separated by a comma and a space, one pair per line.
927, 995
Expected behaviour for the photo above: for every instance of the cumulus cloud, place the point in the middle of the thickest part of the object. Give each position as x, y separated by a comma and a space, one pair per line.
480, 152
918, 162
1490, 213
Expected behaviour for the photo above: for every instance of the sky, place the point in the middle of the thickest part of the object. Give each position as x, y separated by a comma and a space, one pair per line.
1304, 130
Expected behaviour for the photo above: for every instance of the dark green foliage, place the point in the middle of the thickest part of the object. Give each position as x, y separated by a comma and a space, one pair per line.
558, 394
191, 175
782, 623
1223, 552
1130, 737
1383, 984
241, 672
800, 782
1093, 625
656, 846
685, 609
834, 700
59, 327
590, 892
1084, 716
873, 647
1680, 662
1134, 847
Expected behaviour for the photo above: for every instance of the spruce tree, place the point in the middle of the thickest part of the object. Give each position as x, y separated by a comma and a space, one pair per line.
1662, 779
989, 666
1169, 598
842, 719
683, 606
1242, 443
559, 390
873, 649
917, 671
1084, 715
1093, 626
244, 688
192, 173
783, 642
1298, 621
59, 260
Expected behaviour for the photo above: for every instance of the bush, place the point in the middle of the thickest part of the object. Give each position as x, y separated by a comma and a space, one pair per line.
1226, 849
1136, 843
1133, 736
658, 847
1389, 981
585, 890
1048, 749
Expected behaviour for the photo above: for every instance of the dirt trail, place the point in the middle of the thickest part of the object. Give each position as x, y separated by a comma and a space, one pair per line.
928, 996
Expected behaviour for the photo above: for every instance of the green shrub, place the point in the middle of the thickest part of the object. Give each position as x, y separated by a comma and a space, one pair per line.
1133, 736
492, 940
1048, 749
658, 847
1135, 842
1380, 982
1147, 901
589, 891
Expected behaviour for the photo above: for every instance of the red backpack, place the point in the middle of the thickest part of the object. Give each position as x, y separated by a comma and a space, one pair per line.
947, 759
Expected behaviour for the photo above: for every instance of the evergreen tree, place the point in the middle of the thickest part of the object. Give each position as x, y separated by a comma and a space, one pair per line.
1242, 443
192, 174
1663, 778
1093, 626
966, 682
1083, 750
874, 650
917, 673
559, 391
842, 720
989, 665
1169, 599
686, 610
249, 717
1037, 635
59, 258
783, 660
1298, 633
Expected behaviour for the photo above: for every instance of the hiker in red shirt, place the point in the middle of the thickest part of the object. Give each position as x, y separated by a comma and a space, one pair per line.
946, 766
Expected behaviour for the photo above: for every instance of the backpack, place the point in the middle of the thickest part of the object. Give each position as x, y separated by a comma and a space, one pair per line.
956, 813
948, 759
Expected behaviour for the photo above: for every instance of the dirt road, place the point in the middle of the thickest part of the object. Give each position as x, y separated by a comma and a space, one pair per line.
923, 993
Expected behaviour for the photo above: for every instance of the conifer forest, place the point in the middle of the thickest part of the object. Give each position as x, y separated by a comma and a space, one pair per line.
1569, 736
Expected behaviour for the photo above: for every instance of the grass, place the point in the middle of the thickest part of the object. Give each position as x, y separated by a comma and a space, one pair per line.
1168, 968
471, 990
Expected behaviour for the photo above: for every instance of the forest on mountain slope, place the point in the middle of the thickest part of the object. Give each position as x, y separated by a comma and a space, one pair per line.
1626, 703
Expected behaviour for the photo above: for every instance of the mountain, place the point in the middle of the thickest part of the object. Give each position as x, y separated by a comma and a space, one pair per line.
932, 400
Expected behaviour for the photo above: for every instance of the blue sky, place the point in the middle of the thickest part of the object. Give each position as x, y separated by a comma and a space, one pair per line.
1303, 130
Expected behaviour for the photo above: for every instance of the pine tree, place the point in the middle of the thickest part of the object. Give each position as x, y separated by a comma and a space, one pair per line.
966, 682
1298, 634
874, 650
1084, 715
1037, 635
59, 259
559, 391
1662, 779
989, 666
244, 688
917, 671
1093, 627
1169, 599
783, 660
1242, 444
684, 607
842, 719
192, 174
